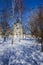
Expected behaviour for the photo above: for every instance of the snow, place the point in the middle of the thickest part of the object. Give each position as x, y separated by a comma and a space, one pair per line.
21, 52
1, 40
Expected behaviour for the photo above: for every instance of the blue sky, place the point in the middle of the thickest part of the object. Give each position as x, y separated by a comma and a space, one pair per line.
27, 5
32, 3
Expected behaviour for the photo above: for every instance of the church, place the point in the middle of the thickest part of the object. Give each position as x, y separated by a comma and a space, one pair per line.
18, 30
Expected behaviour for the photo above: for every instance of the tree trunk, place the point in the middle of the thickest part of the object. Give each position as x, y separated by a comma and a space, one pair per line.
12, 40
42, 47
4, 38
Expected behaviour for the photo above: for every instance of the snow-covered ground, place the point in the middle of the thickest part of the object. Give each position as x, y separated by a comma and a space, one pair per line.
21, 52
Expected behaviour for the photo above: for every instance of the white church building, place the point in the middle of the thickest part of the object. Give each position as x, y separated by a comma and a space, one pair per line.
18, 30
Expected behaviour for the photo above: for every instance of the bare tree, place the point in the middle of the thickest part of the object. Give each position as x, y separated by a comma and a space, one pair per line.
5, 24
36, 25
17, 7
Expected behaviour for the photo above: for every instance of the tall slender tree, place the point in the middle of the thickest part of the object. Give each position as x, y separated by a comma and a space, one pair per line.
17, 6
